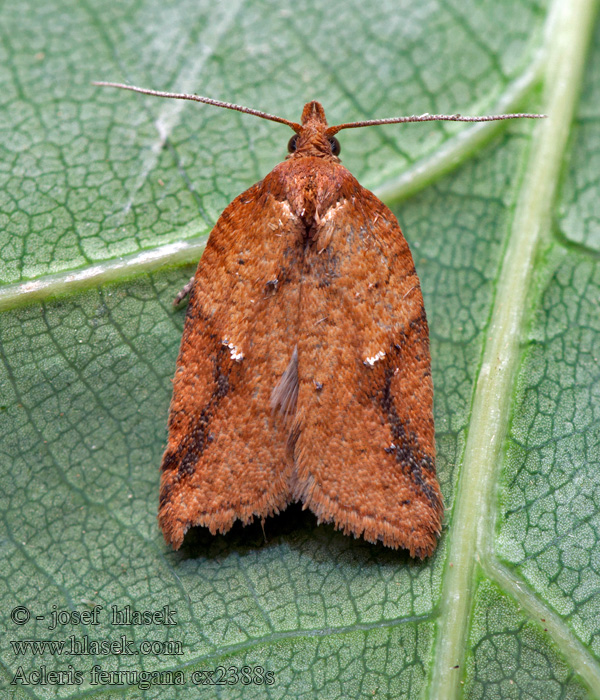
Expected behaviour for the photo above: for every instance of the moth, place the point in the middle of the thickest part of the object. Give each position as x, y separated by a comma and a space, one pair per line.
304, 372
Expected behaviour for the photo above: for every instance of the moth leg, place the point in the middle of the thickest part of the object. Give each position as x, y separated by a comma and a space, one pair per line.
184, 292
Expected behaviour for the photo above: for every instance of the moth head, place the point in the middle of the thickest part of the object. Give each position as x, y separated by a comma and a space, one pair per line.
312, 137
334, 145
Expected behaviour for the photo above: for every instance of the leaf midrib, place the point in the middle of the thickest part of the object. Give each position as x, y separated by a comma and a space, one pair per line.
567, 37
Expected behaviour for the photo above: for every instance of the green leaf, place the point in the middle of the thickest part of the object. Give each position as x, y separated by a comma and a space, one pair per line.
106, 199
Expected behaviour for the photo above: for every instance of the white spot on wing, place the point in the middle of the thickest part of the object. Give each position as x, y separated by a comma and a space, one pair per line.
285, 206
332, 211
370, 361
236, 355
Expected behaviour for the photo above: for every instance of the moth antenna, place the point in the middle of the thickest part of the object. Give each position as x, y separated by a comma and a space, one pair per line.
199, 98
432, 118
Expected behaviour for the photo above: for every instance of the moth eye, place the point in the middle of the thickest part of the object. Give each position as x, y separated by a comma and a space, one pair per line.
335, 146
293, 143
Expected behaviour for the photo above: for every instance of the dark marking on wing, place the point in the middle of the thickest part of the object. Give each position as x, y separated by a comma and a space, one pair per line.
188, 453
406, 444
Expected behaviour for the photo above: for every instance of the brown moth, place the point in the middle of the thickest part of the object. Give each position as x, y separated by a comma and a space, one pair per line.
304, 372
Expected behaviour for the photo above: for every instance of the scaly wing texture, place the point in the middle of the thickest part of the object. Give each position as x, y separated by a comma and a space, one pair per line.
304, 369
365, 451
227, 456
